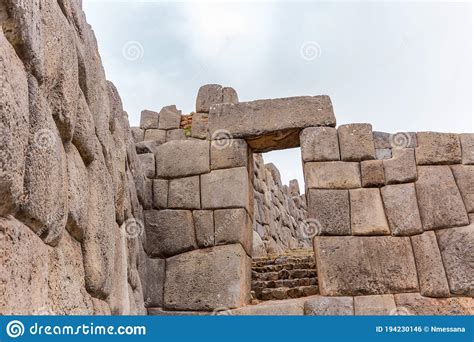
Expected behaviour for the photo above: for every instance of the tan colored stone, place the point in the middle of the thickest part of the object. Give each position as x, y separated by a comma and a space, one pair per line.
332, 175
153, 281
383, 153
204, 225
379, 305
464, 176
181, 158
367, 212
175, 134
229, 95
216, 277
457, 249
14, 117
353, 265
169, 232
431, 274
158, 135
170, 117
138, 134
401, 208
438, 148
372, 173
467, 146
84, 137
439, 200
319, 144
329, 306
228, 188
208, 95
261, 118
228, 153
356, 142
401, 168
160, 193
331, 210
415, 304
119, 298
233, 226
149, 119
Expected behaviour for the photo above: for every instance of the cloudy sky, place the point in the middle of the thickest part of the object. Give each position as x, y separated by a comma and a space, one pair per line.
402, 66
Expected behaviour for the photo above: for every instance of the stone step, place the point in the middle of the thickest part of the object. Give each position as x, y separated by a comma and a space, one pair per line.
285, 274
286, 292
276, 268
281, 260
261, 284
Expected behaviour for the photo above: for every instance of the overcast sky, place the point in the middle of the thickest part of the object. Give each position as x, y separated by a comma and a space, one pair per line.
401, 66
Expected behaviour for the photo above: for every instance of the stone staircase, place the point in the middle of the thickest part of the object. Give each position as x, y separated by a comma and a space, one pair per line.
292, 275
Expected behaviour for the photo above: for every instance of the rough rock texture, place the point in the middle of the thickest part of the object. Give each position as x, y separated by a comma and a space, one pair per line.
381, 305
415, 304
356, 142
329, 306
367, 213
331, 208
68, 169
438, 148
332, 175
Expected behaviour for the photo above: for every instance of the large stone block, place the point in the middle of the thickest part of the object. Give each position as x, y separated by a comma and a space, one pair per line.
156, 135
382, 140
175, 134
181, 158
208, 279
228, 153
372, 173
233, 226
271, 123
379, 305
439, 200
401, 208
356, 142
200, 125
184, 193
331, 210
431, 274
149, 119
467, 147
160, 193
457, 250
383, 153
227, 188
464, 176
438, 148
170, 117
153, 281
147, 161
204, 225
138, 134
229, 95
332, 175
319, 144
329, 306
14, 117
208, 95
367, 212
354, 265
416, 304
401, 168
169, 232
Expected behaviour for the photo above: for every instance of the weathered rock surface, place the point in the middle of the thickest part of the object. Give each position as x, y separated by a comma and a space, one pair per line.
401, 167
319, 144
467, 146
415, 304
205, 271
379, 305
464, 176
438, 148
228, 188
332, 175
329, 306
439, 200
331, 209
349, 266
367, 212
356, 142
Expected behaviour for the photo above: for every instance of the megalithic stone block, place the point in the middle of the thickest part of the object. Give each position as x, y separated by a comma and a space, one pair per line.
438, 148
464, 176
356, 142
270, 124
355, 265
332, 175
319, 144
467, 146
208, 279
367, 212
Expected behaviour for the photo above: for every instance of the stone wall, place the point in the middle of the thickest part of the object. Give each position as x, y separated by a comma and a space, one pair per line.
71, 185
